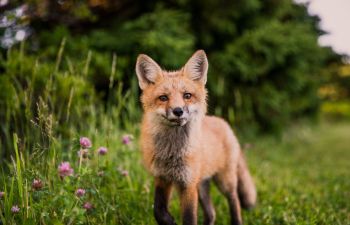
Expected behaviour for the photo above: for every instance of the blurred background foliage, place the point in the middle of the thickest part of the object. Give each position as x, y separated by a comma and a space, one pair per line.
266, 68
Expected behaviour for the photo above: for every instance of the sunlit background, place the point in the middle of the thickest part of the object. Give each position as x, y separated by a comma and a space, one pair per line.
334, 17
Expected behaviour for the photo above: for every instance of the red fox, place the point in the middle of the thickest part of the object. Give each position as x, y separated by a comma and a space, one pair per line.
184, 148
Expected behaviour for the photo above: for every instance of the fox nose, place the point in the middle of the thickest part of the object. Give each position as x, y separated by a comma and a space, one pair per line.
178, 111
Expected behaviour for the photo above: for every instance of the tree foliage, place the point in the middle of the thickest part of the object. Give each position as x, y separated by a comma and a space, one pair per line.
265, 63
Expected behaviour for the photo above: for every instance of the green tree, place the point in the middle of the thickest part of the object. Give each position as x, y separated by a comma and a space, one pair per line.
265, 63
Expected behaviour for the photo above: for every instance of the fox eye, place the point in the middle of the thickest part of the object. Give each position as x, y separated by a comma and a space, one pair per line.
163, 98
187, 95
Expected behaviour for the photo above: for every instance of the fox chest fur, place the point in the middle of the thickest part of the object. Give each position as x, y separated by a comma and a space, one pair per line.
170, 148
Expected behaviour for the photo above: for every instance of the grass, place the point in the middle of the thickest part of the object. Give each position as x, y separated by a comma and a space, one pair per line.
302, 178
305, 178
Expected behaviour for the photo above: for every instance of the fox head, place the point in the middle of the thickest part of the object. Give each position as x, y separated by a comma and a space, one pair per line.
173, 98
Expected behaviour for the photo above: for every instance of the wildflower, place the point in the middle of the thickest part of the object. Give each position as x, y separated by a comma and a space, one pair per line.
102, 151
88, 206
64, 169
125, 173
2, 194
85, 142
247, 146
100, 173
15, 209
80, 192
84, 153
126, 139
37, 184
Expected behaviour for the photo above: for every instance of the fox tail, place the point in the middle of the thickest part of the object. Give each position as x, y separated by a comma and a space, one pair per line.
246, 187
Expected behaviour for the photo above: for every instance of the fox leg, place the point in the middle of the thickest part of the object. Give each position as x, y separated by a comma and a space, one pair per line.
161, 200
205, 201
189, 204
235, 208
227, 184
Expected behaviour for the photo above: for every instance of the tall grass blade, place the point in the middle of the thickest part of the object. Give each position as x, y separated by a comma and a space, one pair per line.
18, 168
87, 63
59, 54
113, 71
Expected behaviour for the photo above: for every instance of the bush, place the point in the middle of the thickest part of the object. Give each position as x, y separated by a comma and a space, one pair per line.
43, 103
267, 75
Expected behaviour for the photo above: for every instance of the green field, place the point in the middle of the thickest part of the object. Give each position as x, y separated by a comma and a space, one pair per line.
303, 177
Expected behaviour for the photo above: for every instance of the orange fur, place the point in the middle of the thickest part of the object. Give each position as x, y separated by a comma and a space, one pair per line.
200, 147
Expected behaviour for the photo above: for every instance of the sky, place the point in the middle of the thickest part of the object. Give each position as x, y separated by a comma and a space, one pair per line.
335, 19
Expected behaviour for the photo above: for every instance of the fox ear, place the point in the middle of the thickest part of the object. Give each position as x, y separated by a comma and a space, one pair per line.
196, 67
147, 70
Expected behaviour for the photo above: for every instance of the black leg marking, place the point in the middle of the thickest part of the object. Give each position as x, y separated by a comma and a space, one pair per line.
229, 189
235, 208
205, 201
188, 217
161, 213
189, 204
